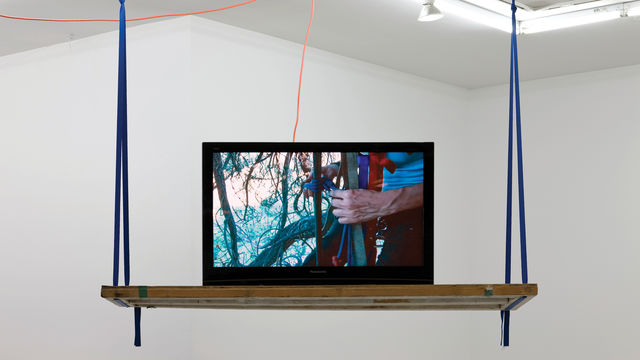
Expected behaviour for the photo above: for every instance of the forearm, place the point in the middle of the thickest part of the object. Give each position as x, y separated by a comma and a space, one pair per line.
401, 199
354, 206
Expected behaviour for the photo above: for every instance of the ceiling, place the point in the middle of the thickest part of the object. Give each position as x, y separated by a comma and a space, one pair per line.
544, 4
383, 32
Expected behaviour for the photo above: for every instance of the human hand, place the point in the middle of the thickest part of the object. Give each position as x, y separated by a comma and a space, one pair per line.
330, 171
359, 205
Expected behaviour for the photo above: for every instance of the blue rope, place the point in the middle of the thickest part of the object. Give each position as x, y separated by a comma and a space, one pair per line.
523, 232
514, 82
515, 303
122, 119
321, 184
507, 278
137, 313
324, 183
122, 171
349, 248
505, 315
345, 229
314, 185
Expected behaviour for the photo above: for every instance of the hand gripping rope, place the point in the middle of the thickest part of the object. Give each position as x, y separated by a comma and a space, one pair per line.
122, 183
514, 83
324, 183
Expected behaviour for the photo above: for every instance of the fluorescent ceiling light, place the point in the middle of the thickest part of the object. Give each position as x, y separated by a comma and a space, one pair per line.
503, 7
566, 9
634, 9
497, 13
496, 6
577, 18
429, 12
476, 14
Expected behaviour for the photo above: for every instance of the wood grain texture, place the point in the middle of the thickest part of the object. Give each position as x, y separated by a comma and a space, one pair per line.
329, 297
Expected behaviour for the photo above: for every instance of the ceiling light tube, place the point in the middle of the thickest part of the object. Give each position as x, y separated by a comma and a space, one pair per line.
476, 14
503, 7
499, 7
577, 18
633, 9
560, 9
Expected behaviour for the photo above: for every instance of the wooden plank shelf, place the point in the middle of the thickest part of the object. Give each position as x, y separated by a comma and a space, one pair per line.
326, 297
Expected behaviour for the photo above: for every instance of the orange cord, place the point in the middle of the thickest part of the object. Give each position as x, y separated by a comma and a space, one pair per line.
304, 49
135, 19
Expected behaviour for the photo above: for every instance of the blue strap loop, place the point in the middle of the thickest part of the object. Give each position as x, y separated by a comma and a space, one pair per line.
122, 171
514, 85
321, 184
325, 183
137, 313
345, 229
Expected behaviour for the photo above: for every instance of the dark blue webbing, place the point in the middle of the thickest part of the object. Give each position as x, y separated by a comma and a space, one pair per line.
122, 171
325, 183
514, 84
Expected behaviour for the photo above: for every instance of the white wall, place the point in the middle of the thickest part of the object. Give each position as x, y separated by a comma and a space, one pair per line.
244, 89
190, 80
193, 80
581, 154
57, 160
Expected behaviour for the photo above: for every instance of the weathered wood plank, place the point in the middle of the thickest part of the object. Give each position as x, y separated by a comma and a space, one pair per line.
336, 297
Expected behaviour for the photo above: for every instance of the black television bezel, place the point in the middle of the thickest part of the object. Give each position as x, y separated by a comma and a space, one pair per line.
315, 275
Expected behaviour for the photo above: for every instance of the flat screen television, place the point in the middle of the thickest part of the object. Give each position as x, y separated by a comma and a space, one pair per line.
317, 213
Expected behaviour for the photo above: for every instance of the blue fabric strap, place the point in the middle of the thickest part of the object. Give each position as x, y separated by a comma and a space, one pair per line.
515, 303
314, 185
324, 183
345, 229
137, 313
321, 184
363, 171
122, 171
505, 315
514, 86
523, 232
349, 247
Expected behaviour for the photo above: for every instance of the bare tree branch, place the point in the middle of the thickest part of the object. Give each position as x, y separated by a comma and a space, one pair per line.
301, 229
246, 183
285, 191
298, 231
226, 209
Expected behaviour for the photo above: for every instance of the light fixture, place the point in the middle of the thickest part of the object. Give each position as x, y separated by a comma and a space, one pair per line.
633, 9
476, 13
497, 13
429, 12
572, 19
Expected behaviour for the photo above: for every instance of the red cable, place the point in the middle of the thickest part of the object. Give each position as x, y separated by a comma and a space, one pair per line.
135, 19
304, 49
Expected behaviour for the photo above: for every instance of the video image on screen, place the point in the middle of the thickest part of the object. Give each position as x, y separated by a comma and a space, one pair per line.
268, 208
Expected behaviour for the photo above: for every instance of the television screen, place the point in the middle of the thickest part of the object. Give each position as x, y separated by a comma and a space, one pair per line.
313, 211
